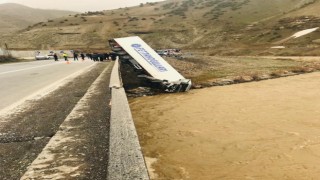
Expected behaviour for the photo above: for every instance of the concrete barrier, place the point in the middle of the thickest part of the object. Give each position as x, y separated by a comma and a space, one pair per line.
115, 80
126, 160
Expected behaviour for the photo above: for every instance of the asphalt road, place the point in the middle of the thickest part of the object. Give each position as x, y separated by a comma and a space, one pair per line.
20, 80
25, 132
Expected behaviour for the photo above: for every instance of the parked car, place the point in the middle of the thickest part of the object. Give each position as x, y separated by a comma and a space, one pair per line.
43, 57
162, 52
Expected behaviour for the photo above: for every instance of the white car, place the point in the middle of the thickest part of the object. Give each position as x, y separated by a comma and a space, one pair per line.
162, 52
43, 57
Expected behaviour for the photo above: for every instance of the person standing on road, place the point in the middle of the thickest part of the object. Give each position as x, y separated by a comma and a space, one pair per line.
95, 57
75, 56
113, 56
106, 56
82, 56
65, 55
101, 57
55, 57
89, 56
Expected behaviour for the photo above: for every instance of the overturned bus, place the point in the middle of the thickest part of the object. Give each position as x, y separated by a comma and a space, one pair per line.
151, 66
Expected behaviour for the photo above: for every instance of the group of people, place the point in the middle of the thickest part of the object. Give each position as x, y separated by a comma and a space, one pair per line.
92, 56
102, 56
64, 55
76, 55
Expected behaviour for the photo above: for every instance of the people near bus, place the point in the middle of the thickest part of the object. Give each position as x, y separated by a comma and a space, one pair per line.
95, 57
55, 56
101, 57
106, 55
75, 56
82, 56
89, 55
113, 56
65, 56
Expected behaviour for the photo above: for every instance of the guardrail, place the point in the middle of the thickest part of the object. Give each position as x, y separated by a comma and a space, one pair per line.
125, 156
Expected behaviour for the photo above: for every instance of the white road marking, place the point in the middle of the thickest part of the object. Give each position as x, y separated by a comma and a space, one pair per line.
28, 68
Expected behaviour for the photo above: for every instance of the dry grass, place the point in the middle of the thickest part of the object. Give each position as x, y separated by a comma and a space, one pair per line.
5, 59
11, 20
208, 69
9, 59
193, 25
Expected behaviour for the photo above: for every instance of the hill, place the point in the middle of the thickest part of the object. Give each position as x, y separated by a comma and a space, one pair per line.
15, 16
213, 27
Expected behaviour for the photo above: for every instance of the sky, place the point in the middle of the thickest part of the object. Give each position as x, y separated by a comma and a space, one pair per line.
78, 5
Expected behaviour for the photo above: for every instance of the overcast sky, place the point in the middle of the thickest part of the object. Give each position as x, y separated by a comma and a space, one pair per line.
78, 5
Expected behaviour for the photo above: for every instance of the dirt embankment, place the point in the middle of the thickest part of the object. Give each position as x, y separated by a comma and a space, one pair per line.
7, 59
208, 71
258, 130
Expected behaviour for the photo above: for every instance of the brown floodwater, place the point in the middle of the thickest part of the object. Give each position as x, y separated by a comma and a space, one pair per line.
260, 130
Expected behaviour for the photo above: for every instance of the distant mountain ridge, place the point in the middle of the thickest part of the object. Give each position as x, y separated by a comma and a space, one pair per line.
214, 27
15, 16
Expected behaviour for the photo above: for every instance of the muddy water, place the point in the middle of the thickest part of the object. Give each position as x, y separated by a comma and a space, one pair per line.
260, 130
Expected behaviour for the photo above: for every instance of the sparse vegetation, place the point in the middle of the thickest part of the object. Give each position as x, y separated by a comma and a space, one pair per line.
215, 27
133, 19
220, 6
94, 13
240, 69
7, 59
115, 23
18, 18
151, 3
207, 28
168, 6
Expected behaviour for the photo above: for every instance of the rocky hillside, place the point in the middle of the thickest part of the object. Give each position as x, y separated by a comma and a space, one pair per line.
14, 16
212, 27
